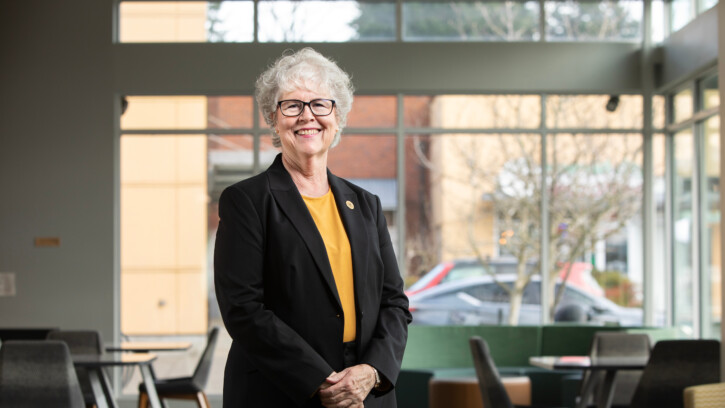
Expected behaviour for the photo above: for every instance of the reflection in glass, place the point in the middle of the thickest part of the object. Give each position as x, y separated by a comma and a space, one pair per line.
595, 200
682, 105
681, 13
709, 92
682, 231
712, 261
593, 20
186, 21
660, 289
325, 21
589, 111
471, 21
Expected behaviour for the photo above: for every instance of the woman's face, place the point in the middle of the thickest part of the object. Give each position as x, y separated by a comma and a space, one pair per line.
305, 135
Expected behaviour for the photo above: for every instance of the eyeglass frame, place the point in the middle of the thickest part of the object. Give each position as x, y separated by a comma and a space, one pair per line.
304, 105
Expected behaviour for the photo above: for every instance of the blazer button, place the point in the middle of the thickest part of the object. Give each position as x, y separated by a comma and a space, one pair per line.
337, 315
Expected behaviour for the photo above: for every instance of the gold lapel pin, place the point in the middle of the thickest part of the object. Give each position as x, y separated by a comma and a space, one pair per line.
350, 205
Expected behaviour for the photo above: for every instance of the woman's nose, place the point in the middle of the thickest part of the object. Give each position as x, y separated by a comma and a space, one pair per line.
306, 113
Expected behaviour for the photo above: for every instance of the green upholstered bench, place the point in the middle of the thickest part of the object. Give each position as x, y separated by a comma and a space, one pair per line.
443, 351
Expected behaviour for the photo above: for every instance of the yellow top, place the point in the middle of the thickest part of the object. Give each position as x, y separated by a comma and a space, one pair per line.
327, 218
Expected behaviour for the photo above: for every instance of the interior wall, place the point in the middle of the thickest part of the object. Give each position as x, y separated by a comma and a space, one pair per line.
57, 163
690, 49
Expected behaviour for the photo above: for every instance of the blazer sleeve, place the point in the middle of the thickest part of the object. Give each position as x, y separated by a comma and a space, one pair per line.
269, 344
386, 348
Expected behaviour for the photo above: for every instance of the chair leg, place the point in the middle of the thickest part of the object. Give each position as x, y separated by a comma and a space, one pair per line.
143, 400
201, 400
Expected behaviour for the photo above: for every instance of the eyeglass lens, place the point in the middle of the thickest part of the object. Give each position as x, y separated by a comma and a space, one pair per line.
293, 107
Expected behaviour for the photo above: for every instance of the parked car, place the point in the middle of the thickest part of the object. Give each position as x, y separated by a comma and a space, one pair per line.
580, 275
481, 300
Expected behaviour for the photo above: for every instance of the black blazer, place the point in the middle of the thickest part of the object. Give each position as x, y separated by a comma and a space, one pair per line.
278, 298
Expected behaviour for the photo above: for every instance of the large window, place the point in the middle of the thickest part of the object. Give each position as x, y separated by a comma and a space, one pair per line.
695, 195
364, 20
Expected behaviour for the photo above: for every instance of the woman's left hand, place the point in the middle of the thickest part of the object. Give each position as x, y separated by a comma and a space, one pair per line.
348, 388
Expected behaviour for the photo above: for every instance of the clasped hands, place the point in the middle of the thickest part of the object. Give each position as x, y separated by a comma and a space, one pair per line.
348, 388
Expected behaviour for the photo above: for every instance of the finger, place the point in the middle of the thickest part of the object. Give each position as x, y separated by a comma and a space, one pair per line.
336, 377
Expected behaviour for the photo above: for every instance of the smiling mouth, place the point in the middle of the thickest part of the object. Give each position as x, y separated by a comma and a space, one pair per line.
305, 132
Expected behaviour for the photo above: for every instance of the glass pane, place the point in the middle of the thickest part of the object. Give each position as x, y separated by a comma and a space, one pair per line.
229, 112
474, 200
681, 13
594, 20
709, 93
325, 21
186, 21
712, 261
682, 233
187, 112
595, 216
660, 289
163, 219
370, 162
658, 21
231, 159
707, 4
471, 21
473, 111
658, 112
267, 153
373, 112
417, 111
682, 105
348, 159
593, 111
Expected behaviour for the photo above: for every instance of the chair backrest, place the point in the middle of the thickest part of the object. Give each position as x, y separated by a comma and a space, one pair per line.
620, 344
673, 366
79, 341
201, 373
37, 373
493, 393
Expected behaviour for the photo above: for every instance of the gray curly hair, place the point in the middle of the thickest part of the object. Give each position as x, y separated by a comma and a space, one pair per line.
301, 70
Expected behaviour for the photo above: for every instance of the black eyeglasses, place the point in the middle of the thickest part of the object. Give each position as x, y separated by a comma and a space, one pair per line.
294, 107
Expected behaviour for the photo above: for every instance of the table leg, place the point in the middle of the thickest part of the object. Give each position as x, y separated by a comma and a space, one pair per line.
148, 381
588, 389
607, 392
102, 399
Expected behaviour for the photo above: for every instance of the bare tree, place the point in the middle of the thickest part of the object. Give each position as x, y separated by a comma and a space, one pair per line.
492, 187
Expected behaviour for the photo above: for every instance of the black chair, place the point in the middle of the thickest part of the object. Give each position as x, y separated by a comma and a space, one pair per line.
37, 373
81, 342
617, 344
493, 393
187, 388
673, 366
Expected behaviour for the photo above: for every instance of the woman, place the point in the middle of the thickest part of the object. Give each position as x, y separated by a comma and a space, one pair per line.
305, 274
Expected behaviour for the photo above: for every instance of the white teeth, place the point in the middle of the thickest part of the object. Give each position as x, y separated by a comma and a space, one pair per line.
307, 131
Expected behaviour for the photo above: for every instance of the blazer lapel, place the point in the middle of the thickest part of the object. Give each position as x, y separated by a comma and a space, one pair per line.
290, 201
352, 218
